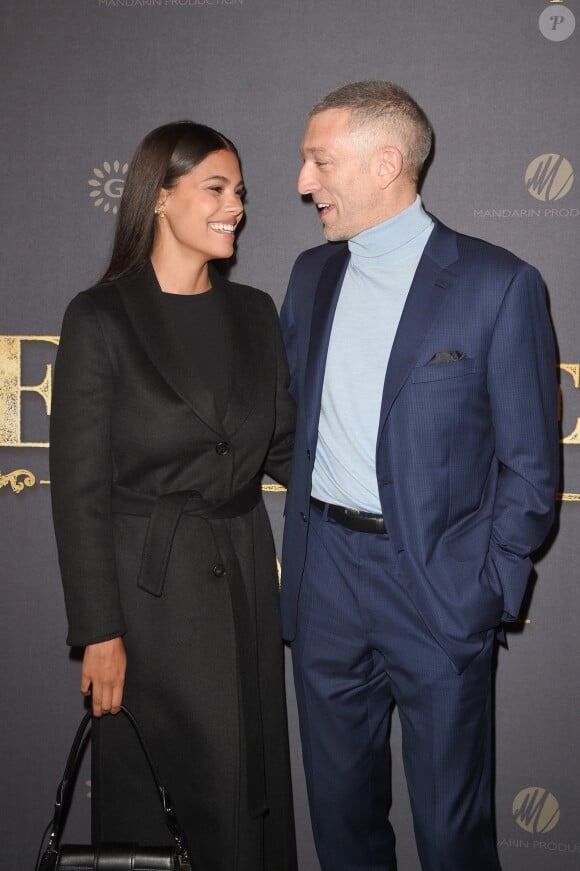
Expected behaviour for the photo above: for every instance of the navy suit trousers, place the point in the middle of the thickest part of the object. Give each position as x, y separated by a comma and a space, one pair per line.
362, 647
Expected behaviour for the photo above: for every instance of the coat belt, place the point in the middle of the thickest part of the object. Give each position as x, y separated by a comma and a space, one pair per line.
164, 512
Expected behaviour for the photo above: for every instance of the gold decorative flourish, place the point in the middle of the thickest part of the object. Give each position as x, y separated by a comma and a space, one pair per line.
267, 488
569, 497
28, 480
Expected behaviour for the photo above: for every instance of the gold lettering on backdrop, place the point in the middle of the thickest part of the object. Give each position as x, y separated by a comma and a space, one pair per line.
573, 369
12, 388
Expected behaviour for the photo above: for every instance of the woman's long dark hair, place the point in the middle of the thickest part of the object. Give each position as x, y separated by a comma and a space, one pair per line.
164, 155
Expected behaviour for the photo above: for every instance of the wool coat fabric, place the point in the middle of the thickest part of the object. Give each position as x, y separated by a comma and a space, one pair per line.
126, 418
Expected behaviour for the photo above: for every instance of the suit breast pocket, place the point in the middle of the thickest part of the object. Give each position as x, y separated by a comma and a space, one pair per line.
448, 404
444, 371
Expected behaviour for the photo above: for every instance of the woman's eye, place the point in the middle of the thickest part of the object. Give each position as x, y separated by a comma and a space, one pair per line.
217, 188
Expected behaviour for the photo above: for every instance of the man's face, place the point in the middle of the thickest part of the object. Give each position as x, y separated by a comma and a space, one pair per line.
338, 175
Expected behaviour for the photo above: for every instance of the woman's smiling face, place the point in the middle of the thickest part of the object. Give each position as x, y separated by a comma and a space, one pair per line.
204, 208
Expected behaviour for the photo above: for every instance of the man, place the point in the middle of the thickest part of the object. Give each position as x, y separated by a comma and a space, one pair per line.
424, 476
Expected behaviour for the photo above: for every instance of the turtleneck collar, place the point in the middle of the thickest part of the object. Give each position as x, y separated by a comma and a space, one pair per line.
395, 239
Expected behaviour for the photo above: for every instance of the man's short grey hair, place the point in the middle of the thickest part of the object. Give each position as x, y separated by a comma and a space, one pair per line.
377, 103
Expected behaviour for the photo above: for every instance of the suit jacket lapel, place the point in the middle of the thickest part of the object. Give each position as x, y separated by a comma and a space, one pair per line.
429, 291
140, 294
324, 307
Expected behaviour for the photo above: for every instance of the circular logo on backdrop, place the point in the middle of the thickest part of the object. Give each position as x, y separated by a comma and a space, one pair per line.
549, 177
557, 22
107, 185
536, 810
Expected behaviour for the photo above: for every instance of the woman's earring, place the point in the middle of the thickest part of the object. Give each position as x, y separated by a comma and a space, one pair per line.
160, 211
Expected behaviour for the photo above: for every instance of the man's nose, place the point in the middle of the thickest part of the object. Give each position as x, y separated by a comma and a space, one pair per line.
306, 181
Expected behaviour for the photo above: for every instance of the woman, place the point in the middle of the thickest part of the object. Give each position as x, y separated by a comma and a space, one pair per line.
170, 401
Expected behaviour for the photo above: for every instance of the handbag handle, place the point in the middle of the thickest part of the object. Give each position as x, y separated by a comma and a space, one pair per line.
63, 792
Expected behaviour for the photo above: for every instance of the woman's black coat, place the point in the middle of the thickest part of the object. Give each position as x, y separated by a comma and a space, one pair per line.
126, 418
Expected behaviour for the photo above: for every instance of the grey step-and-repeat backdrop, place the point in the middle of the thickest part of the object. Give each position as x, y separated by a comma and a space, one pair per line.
83, 81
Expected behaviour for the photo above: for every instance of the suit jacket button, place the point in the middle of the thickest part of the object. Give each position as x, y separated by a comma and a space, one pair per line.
303, 516
219, 570
308, 454
222, 448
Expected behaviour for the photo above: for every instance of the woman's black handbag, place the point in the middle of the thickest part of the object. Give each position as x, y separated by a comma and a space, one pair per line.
111, 857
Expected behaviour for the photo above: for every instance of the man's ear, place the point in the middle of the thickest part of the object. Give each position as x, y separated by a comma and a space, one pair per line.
390, 165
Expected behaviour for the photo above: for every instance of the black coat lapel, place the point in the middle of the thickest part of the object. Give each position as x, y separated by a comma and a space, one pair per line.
323, 310
430, 289
140, 294
243, 341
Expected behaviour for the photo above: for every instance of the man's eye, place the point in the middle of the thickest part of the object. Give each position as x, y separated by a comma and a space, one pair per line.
319, 163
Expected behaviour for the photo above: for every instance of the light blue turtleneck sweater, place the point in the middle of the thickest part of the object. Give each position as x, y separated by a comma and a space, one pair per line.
383, 261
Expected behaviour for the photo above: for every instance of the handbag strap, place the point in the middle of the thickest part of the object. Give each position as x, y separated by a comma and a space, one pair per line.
63, 792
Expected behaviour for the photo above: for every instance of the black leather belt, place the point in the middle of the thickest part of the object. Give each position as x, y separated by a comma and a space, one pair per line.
164, 512
359, 521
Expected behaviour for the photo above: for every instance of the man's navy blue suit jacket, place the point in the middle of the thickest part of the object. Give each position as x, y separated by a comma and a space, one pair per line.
467, 444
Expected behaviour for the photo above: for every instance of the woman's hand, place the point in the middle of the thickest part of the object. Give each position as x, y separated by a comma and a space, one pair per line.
103, 675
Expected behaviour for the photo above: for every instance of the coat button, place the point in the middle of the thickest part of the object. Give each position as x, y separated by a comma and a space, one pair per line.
303, 516
308, 454
222, 448
219, 570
